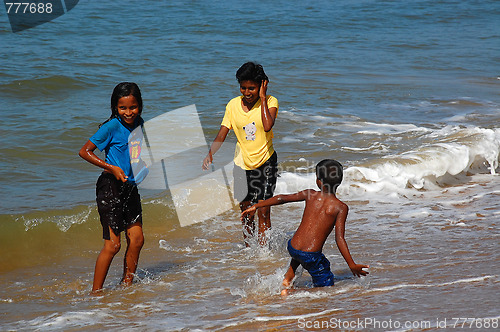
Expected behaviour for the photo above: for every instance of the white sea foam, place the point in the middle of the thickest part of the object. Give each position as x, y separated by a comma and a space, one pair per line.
421, 213
459, 281
63, 222
374, 148
268, 285
295, 317
292, 182
385, 128
70, 318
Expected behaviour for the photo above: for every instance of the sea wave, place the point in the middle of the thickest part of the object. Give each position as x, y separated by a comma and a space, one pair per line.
49, 86
455, 154
42, 237
462, 152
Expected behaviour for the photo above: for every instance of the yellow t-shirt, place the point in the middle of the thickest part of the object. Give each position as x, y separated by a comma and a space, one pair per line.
254, 146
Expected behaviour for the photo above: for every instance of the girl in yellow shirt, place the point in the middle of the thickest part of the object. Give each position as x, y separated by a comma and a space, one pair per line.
252, 116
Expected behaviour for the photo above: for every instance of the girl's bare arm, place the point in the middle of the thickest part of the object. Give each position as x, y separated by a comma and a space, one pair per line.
87, 153
219, 139
268, 114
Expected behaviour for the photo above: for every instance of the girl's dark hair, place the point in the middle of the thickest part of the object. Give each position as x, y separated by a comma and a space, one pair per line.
124, 89
330, 173
251, 72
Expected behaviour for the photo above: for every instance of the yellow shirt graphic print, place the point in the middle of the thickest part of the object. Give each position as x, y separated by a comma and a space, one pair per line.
250, 130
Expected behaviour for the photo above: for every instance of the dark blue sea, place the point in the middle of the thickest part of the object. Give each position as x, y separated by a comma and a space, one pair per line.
405, 94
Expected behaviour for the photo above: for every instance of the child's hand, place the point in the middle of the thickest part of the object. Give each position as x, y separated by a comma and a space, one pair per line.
358, 271
207, 161
263, 89
248, 212
118, 173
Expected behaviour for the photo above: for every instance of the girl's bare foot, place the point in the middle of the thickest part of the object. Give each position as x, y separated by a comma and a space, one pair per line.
286, 283
127, 280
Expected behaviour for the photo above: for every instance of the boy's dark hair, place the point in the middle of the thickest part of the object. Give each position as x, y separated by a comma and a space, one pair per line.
330, 173
251, 71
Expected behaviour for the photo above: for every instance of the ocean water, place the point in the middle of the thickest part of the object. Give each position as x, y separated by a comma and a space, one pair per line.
406, 95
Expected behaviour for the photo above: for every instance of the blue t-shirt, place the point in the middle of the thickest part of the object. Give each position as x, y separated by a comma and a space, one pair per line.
113, 139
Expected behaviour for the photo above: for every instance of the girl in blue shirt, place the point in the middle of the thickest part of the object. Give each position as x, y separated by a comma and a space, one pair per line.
118, 200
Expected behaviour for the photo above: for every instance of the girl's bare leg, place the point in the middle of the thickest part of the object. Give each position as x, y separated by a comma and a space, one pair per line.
135, 241
248, 223
108, 252
264, 214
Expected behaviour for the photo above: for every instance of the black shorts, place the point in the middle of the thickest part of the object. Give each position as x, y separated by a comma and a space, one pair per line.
256, 184
118, 203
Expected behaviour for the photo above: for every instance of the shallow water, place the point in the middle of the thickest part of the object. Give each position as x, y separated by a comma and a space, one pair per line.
404, 95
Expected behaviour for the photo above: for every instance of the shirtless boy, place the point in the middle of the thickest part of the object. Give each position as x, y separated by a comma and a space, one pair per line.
323, 212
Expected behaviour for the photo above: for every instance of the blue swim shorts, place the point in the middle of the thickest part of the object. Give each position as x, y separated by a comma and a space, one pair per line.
315, 263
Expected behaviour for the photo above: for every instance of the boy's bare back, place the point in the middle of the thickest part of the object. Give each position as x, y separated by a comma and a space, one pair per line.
321, 212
